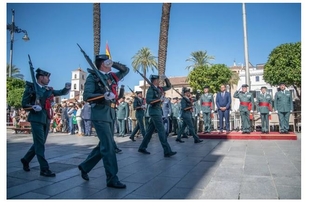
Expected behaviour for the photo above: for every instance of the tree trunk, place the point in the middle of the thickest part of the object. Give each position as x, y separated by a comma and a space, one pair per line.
144, 82
96, 27
163, 40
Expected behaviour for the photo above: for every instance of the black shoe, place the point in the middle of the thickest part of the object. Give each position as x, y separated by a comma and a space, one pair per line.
132, 139
198, 141
248, 132
205, 132
25, 165
118, 184
286, 132
118, 150
170, 154
47, 173
243, 132
84, 174
184, 136
263, 132
174, 134
266, 132
281, 132
220, 132
179, 140
144, 151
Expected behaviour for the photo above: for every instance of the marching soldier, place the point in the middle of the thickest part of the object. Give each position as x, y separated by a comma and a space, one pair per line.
283, 106
207, 108
186, 114
245, 108
40, 117
139, 106
264, 108
154, 97
103, 117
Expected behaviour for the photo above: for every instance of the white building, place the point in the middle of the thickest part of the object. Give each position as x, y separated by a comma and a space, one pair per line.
78, 79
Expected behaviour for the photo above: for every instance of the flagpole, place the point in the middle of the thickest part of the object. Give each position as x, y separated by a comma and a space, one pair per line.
246, 53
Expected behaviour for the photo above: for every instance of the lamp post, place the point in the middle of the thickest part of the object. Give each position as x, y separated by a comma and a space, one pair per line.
14, 29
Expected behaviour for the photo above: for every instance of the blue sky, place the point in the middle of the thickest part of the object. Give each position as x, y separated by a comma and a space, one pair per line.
55, 28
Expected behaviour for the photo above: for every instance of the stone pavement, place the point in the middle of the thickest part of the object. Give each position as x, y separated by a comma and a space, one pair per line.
213, 169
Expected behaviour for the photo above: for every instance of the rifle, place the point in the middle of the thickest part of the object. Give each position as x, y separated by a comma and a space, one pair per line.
131, 90
186, 99
95, 70
149, 82
37, 101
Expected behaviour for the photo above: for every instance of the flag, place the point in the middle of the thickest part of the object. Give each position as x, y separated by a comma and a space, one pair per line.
107, 50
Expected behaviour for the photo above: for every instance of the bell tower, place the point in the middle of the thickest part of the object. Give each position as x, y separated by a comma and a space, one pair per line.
77, 84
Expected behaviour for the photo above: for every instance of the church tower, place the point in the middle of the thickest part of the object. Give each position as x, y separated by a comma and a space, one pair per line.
77, 84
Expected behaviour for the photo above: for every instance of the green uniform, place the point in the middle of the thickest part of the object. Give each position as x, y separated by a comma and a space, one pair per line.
103, 118
137, 104
206, 107
245, 99
186, 115
264, 106
283, 103
40, 122
122, 115
156, 122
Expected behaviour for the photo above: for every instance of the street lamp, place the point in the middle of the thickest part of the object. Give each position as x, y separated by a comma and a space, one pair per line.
14, 29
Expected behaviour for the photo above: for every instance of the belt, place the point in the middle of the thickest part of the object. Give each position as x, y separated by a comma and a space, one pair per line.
244, 103
107, 103
206, 104
263, 104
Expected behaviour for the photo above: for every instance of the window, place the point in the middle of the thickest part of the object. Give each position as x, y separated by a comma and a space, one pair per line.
82, 77
81, 86
74, 76
257, 78
74, 86
269, 91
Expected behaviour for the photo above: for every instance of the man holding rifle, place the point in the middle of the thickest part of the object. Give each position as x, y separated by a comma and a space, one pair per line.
139, 106
101, 90
154, 97
37, 99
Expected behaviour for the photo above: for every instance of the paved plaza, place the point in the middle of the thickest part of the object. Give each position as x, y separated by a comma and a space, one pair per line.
213, 169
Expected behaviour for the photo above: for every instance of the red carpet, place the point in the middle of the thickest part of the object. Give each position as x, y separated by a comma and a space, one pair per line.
253, 135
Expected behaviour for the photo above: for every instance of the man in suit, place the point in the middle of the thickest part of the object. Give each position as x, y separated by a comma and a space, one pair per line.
283, 106
40, 116
223, 101
246, 107
166, 107
139, 106
186, 114
103, 117
122, 115
206, 109
264, 108
154, 97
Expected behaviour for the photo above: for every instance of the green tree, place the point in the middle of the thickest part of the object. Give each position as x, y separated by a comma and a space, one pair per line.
284, 65
15, 88
212, 76
96, 27
199, 58
234, 79
163, 39
15, 72
142, 61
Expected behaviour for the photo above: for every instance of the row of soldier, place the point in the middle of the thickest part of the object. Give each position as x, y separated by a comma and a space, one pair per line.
99, 91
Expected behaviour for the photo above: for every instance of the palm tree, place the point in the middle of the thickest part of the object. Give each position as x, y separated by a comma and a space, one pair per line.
15, 72
199, 58
142, 61
163, 39
96, 27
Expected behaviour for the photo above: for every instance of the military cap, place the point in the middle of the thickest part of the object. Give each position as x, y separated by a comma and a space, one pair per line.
102, 57
245, 85
175, 98
185, 90
154, 77
42, 72
206, 87
263, 87
137, 92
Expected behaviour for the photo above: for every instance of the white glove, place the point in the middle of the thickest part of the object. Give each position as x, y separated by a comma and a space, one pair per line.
178, 118
291, 111
129, 118
276, 112
196, 114
125, 119
68, 85
200, 112
108, 63
162, 98
168, 115
212, 111
109, 95
143, 106
37, 107
251, 111
163, 77
270, 112
258, 113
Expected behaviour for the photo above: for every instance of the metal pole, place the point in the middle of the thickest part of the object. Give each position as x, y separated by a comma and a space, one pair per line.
246, 54
12, 40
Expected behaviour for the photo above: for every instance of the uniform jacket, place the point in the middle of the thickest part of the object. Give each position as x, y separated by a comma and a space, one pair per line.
223, 101
244, 97
122, 110
283, 101
29, 97
184, 104
206, 98
261, 98
101, 111
138, 102
176, 107
152, 95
